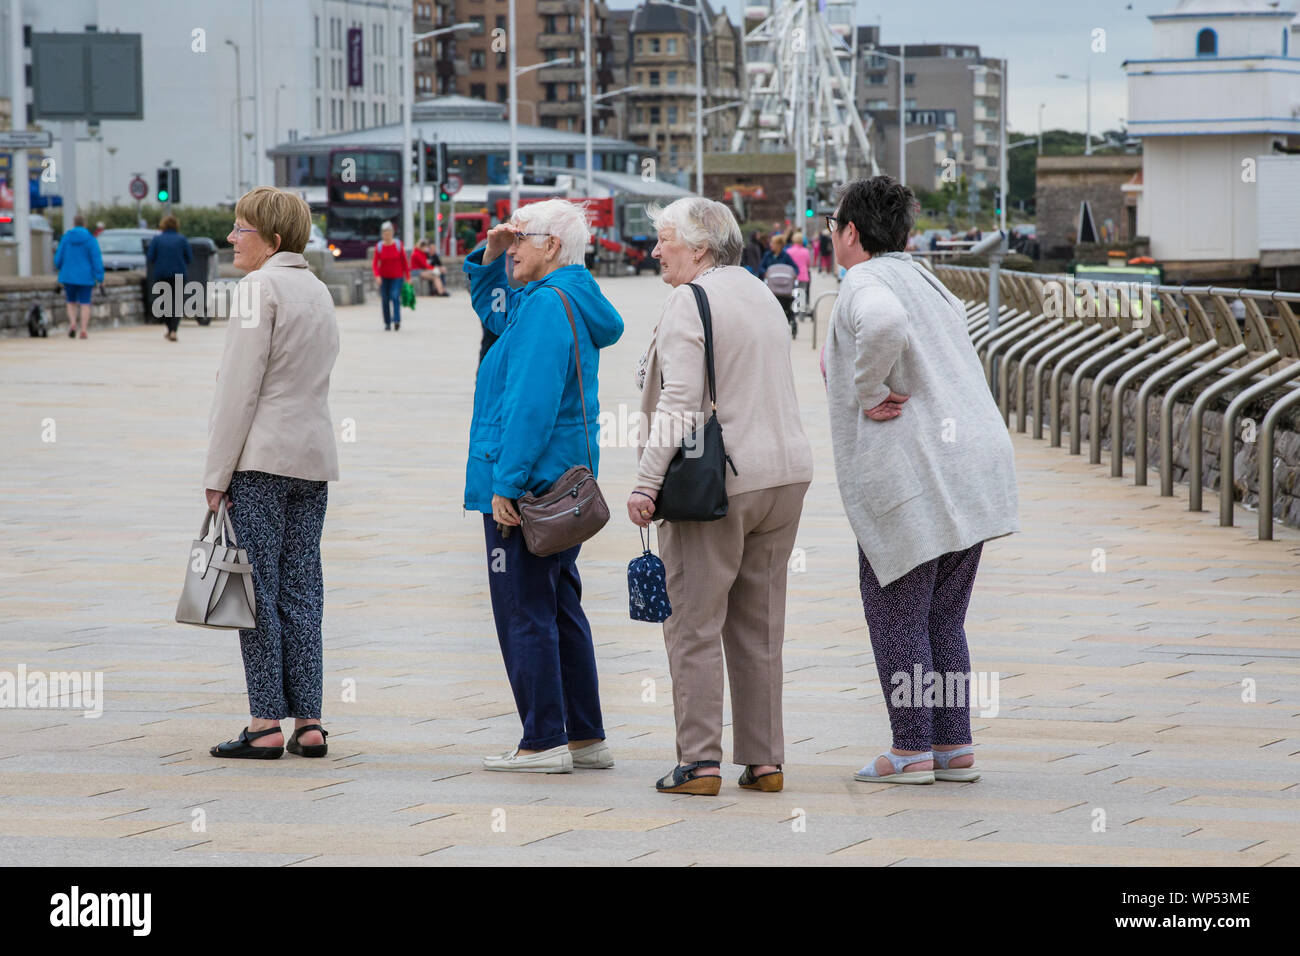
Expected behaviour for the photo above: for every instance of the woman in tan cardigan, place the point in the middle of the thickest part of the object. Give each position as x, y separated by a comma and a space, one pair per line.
270, 453
726, 578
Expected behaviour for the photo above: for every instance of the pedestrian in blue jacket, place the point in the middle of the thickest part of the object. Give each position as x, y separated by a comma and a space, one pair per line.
526, 432
80, 267
169, 256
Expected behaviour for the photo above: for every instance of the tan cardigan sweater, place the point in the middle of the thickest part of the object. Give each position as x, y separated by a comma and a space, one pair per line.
271, 408
757, 406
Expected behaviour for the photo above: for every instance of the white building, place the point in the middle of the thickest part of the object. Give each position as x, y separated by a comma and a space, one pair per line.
293, 76
1216, 108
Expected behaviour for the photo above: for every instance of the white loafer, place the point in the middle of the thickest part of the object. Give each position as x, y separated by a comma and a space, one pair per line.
595, 756
555, 760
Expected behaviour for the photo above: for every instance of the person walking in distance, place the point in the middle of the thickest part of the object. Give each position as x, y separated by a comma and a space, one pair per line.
169, 258
391, 270
81, 267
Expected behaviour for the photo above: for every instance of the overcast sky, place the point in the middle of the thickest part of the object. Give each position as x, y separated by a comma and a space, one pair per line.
1039, 38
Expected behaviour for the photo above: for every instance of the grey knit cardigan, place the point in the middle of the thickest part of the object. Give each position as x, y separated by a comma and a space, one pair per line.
941, 476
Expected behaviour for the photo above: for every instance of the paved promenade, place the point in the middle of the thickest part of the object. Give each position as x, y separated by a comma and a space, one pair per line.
1122, 735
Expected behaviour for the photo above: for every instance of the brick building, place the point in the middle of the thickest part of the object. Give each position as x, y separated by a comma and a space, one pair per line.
1066, 182
466, 64
661, 114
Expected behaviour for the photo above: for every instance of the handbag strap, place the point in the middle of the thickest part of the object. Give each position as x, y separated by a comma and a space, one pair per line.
706, 317
223, 530
577, 357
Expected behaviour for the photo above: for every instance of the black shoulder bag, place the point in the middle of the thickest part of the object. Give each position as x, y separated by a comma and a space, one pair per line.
695, 485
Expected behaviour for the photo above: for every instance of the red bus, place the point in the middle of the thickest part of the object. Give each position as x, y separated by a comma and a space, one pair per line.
364, 191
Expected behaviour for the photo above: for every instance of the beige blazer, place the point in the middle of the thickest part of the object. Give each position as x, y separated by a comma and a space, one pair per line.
757, 406
271, 408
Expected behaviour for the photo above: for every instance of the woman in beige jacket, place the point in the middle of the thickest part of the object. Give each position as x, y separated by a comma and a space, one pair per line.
270, 453
726, 578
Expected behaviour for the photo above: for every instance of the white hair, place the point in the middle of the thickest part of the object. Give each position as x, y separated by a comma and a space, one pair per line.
701, 224
562, 219
386, 227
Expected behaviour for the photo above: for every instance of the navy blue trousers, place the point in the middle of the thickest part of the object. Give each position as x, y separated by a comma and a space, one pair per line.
545, 640
918, 627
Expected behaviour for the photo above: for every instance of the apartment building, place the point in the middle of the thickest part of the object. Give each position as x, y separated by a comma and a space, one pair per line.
476, 64
952, 106
661, 113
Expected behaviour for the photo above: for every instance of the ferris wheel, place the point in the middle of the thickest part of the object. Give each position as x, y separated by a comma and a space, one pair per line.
799, 63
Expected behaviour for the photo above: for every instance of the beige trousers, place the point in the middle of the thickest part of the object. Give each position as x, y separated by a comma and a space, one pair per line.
726, 583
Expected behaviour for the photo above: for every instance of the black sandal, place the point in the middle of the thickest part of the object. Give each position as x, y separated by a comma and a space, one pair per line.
770, 782
686, 780
308, 750
242, 746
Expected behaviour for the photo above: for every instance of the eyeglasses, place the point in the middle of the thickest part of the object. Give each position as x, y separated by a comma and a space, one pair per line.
830, 223
521, 235
237, 228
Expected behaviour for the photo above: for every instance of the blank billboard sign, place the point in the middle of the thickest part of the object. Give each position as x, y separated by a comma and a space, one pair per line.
89, 76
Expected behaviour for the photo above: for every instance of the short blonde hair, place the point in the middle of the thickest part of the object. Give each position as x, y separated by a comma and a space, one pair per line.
275, 212
701, 224
797, 238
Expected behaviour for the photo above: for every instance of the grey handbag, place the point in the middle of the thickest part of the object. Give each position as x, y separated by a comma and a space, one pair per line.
218, 588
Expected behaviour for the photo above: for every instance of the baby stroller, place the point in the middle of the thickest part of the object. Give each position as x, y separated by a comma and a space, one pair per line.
782, 280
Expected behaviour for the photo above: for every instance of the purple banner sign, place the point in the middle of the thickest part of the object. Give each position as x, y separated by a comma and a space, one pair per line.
356, 75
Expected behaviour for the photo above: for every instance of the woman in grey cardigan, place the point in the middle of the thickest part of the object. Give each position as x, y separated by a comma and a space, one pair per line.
726, 578
926, 471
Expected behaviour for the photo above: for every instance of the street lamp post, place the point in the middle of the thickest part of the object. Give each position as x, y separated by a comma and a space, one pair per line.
1040, 128
1087, 81
901, 60
516, 72
408, 85
239, 113
586, 65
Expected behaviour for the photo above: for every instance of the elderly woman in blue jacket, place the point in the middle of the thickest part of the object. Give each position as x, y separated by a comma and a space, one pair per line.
527, 431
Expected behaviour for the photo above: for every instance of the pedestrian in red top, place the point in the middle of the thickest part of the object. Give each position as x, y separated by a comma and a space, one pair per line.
391, 270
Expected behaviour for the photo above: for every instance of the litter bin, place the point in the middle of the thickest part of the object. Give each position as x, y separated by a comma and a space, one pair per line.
203, 268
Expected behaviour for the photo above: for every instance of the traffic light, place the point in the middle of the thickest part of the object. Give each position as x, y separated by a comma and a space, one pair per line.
997, 202
435, 161
169, 184
443, 195
811, 207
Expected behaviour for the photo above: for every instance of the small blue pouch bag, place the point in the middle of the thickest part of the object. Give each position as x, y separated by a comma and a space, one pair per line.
647, 586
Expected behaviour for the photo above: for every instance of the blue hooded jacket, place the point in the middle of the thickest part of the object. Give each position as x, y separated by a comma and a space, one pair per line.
527, 425
78, 259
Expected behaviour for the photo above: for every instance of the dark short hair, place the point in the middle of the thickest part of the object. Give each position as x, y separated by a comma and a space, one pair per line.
169, 222
882, 209
78, 220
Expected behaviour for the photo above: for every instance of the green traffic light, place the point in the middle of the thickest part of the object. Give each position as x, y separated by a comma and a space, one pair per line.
162, 195
809, 213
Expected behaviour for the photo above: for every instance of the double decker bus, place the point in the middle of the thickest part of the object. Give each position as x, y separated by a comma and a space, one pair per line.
364, 191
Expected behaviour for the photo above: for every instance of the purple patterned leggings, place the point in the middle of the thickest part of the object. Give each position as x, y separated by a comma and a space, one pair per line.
917, 629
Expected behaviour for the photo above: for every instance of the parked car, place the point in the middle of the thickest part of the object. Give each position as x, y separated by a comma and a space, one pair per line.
124, 248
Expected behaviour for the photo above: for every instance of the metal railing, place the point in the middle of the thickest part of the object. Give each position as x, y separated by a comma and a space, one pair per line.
1160, 339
